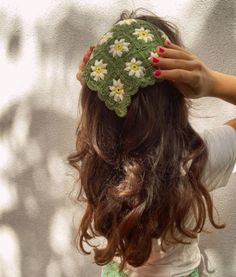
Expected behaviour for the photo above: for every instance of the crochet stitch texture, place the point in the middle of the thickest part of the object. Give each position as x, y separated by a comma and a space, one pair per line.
120, 63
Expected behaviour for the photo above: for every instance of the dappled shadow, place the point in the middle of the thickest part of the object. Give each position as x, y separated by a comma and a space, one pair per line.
39, 194
39, 135
39, 132
13, 47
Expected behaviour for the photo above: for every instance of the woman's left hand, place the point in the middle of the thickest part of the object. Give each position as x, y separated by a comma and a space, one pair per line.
83, 63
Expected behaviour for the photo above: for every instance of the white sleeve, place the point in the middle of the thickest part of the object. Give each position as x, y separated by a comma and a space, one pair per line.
221, 144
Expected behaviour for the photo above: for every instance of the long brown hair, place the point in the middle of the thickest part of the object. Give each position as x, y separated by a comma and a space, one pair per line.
129, 170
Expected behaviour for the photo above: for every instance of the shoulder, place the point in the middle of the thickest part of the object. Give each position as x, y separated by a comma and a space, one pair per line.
214, 135
221, 145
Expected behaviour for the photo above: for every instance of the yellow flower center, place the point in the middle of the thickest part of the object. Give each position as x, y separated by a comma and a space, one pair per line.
134, 67
98, 69
118, 90
143, 34
119, 46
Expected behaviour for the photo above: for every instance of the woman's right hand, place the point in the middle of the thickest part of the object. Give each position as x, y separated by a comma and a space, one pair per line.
189, 75
83, 63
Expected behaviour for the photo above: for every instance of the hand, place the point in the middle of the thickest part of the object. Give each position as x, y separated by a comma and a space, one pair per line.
83, 63
189, 75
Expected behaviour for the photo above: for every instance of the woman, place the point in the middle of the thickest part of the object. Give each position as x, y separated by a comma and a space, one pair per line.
146, 177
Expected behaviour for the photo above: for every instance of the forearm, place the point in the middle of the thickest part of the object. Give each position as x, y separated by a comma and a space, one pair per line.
231, 123
224, 87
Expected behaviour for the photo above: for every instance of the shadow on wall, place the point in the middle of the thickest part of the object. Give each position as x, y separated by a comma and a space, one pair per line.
64, 41
39, 198
39, 136
37, 219
11, 28
40, 214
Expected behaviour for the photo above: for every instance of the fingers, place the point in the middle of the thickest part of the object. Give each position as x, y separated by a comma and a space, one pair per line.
87, 54
175, 46
79, 78
84, 61
176, 64
80, 69
81, 66
78, 75
179, 75
180, 48
166, 63
174, 51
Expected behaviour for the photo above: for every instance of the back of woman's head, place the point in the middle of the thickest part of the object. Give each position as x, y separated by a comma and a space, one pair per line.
134, 172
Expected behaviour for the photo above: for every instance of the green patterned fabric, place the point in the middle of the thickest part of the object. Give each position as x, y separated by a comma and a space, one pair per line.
112, 270
120, 63
194, 273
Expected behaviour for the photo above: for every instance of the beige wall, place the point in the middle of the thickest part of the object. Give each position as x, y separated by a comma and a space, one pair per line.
41, 44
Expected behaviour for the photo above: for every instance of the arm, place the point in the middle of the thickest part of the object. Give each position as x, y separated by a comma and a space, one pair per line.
224, 87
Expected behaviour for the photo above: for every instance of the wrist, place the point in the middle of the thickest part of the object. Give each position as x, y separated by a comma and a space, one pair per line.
223, 86
216, 84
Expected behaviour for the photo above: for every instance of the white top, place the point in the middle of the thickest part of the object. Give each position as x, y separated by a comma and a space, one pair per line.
181, 259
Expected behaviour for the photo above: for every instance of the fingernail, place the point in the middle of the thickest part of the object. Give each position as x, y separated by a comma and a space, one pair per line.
157, 72
161, 50
155, 60
168, 42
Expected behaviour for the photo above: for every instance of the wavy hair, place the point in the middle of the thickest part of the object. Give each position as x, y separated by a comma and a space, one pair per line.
129, 170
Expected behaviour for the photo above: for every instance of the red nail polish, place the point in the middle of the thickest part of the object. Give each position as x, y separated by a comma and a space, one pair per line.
161, 50
155, 60
157, 72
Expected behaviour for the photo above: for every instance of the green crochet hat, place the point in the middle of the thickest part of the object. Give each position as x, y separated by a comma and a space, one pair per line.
120, 63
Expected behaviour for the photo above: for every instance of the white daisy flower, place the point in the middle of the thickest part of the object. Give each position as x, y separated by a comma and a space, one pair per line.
153, 54
105, 38
117, 90
99, 69
134, 67
119, 47
126, 21
143, 34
